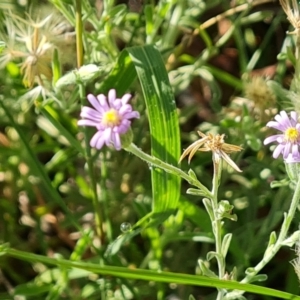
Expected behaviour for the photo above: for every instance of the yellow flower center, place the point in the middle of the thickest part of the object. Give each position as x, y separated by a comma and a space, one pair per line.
291, 134
111, 118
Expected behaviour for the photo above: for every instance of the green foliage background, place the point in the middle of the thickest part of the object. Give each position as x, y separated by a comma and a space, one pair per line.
188, 65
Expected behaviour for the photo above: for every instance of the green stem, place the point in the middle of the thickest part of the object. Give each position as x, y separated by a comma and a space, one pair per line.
104, 197
79, 32
270, 252
216, 223
166, 167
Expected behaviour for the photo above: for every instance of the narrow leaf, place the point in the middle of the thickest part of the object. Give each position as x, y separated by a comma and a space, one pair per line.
146, 63
226, 243
163, 120
139, 274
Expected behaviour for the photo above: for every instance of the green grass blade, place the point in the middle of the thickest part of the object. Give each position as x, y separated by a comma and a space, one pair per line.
146, 62
163, 120
139, 274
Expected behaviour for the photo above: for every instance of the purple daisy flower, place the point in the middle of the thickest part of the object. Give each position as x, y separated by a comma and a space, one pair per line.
111, 117
289, 140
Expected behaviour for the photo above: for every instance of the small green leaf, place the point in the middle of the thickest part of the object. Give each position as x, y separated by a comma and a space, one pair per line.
192, 174
225, 210
209, 208
225, 244
114, 247
150, 220
56, 67
272, 239
205, 270
195, 192
259, 277
279, 183
212, 254
250, 271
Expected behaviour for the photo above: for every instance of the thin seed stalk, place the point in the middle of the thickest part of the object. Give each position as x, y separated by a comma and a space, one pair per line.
79, 33
216, 223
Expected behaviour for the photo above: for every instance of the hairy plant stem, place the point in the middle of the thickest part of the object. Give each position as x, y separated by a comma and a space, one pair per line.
104, 196
217, 223
273, 249
168, 168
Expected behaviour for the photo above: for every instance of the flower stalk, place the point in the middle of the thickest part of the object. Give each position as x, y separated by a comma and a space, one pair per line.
132, 148
215, 209
217, 223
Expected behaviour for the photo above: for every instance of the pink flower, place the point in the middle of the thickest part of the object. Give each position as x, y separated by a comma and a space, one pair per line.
110, 116
289, 140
